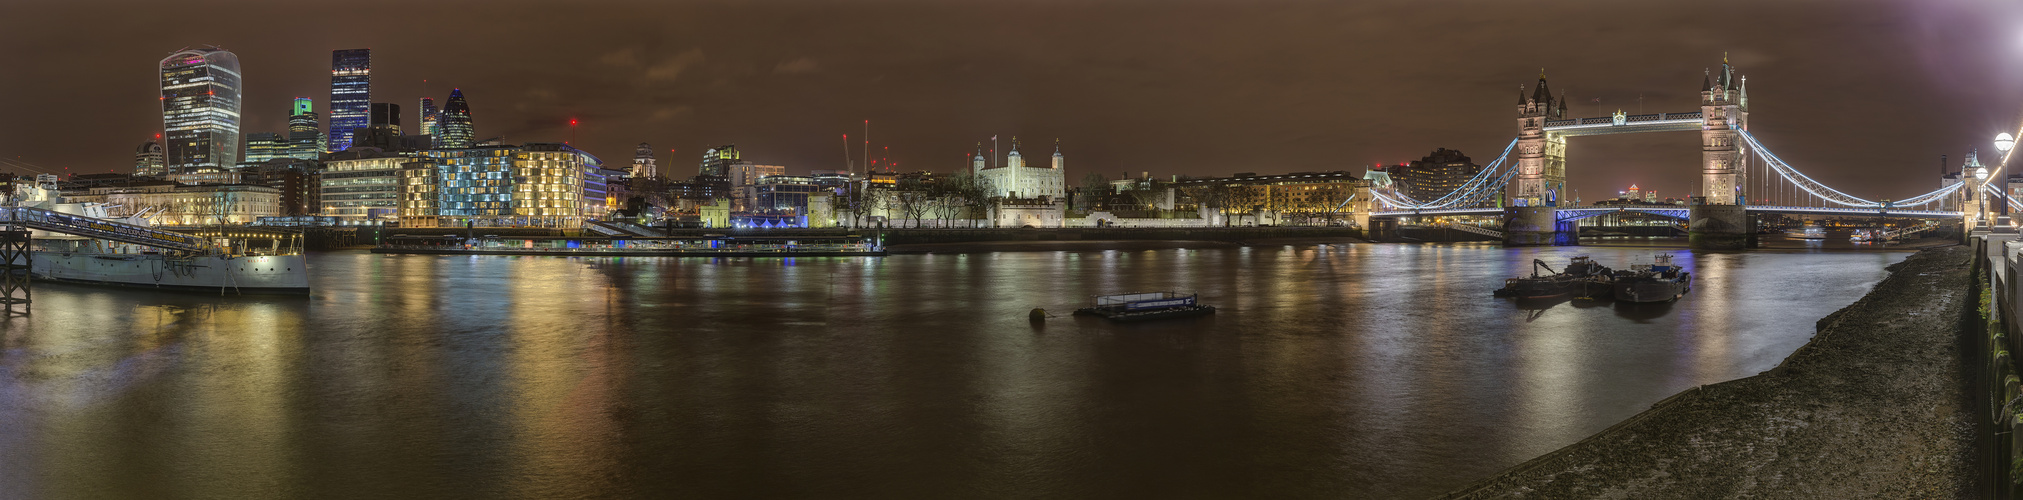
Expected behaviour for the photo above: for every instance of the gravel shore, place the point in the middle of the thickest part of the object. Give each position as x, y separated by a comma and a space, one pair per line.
1872, 407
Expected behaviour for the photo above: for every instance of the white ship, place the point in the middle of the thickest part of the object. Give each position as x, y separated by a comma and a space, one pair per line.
213, 273
78, 244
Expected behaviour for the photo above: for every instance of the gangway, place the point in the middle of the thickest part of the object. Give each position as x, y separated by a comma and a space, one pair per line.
600, 228
36, 218
1466, 228
626, 228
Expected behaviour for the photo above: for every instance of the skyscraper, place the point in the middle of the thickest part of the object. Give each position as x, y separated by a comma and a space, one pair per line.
148, 159
200, 107
383, 131
305, 132
427, 123
642, 162
454, 123
385, 114
350, 94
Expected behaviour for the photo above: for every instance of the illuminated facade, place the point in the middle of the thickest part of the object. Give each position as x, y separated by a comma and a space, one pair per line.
642, 162
361, 186
200, 108
745, 178
428, 115
1014, 179
538, 185
420, 194
453, 124
350, 94
148, 159
265, 146
716, 162
305, 131
168, 204
1434, 176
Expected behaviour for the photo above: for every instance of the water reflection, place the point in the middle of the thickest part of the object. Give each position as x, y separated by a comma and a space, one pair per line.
1344, 370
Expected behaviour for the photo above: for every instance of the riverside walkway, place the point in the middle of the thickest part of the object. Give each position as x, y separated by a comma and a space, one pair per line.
1875, 406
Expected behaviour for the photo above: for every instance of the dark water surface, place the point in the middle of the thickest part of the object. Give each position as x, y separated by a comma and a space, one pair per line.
1331, 371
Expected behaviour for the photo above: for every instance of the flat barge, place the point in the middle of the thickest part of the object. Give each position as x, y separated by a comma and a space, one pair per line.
1145, 306
715, 245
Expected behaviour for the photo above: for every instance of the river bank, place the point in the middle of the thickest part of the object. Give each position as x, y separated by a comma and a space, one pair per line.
1874, 406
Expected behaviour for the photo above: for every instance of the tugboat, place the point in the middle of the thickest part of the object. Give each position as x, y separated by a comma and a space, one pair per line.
1145, 306
1659, 281
1581, 277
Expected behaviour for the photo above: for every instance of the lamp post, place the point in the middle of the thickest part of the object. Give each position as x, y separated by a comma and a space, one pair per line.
1981, 182
2003, 143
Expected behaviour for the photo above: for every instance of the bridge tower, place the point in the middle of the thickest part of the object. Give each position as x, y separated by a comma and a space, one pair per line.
1541, 157
1724, 113
1719, 219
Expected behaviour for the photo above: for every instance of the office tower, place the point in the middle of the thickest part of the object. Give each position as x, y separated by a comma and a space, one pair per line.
200, 108
350, 94
148, 159
305, 132
454, 123
428, 116
385, 114
642, 162
383, 129
265, 146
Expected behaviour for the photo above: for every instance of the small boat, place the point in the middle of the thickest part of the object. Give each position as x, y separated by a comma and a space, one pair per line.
1809, 232
1145, 306
1866, 236
1658, 281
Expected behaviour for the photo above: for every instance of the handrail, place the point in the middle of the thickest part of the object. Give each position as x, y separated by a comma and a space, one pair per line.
57, 222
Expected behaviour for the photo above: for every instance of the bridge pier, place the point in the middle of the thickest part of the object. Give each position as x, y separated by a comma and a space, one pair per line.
1721, 227
1537, 226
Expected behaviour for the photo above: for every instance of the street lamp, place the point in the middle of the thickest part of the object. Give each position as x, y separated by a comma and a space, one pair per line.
2003, 142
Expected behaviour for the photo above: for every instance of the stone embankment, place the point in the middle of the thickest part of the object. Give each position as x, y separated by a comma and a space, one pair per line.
1873, 407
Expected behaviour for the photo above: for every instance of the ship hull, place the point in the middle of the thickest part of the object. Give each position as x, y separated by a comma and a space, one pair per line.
266, 274
1649, 290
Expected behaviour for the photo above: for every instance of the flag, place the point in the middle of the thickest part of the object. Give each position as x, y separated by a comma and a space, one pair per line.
993, 137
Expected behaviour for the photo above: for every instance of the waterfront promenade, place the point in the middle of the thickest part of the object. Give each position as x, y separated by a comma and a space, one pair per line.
1875, 406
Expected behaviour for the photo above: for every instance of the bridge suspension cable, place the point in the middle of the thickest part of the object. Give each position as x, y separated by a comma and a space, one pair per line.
1486, 183
1828, 194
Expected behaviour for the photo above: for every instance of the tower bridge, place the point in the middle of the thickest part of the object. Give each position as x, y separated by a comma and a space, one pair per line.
1525, 185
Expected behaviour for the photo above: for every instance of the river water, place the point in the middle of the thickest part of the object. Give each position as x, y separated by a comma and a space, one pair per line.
1359, 370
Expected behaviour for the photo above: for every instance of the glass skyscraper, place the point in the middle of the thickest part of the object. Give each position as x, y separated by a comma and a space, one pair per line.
350, 94
454, 123
200, 108
305, 132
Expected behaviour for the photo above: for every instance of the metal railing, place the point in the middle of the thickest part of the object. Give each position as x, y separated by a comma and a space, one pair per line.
78, 225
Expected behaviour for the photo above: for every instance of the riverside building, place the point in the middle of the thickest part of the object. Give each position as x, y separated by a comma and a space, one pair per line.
361, 186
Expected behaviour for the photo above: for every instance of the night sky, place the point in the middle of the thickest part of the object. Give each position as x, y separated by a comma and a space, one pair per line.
1864, 95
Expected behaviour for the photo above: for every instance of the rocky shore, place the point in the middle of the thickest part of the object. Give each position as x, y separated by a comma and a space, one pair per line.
1873, 407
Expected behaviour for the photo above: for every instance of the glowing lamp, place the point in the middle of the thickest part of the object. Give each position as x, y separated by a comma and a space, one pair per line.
1981, 174
2003, 142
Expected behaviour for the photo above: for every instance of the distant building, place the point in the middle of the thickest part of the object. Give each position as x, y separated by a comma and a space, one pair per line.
1434, 176
1273, 199
305, 131
295, 178
382, 129
716, 162
538, 185
1014, 179
149, 159
745, 178
265, 146
200, 108
427, 117
350, 95
783, 194
642, 163
420, 194
453, 124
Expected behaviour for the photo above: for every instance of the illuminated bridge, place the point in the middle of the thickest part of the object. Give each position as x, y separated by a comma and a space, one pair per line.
1740, 176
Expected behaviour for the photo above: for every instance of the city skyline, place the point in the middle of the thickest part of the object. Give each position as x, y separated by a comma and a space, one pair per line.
1305, 101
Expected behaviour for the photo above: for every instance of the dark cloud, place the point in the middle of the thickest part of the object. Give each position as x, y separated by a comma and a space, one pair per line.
1864, 94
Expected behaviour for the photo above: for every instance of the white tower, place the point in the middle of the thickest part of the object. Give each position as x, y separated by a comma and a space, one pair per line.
1057, 155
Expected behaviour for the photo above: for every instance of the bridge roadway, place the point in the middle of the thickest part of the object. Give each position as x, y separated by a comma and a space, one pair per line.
1576, 213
